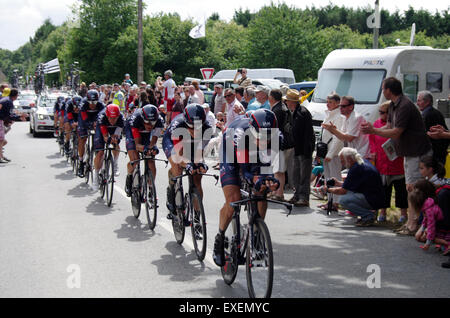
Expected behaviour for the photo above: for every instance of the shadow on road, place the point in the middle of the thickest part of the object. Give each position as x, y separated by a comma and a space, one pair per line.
68, 175
54, 156
80, 191
61, 165
98, 207
180, 265
134, 230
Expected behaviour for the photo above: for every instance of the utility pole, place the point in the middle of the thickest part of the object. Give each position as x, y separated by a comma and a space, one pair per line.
376, 30
140, 62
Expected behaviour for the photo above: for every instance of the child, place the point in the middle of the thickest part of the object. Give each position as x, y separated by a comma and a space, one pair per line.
423, 198
432, 170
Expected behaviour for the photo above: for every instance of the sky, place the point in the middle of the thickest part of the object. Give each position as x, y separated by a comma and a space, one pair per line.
21, 18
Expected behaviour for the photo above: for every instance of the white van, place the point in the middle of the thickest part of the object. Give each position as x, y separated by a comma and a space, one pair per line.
360, 73
282, 74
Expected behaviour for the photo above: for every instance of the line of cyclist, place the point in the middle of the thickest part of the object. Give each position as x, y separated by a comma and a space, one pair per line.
144, 127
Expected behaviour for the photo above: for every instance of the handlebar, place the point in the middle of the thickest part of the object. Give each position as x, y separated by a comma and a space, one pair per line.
149, 158
174, 179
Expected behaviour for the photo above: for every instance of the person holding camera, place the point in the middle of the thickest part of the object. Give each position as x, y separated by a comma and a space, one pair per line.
362, 191
243, 81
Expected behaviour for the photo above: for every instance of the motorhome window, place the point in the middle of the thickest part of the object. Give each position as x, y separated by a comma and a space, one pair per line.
411, 86
363, 85
287, 80
434, 82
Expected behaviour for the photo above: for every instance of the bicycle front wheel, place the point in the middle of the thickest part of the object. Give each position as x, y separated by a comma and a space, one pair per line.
109, 180
136, 194
198, 226
259, 263
178, 223
151, 204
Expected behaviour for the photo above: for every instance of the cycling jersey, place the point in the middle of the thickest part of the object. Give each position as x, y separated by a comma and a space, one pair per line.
172, 143
134, 128
59, 108
104, 128
88, 117
70, 115
245, 159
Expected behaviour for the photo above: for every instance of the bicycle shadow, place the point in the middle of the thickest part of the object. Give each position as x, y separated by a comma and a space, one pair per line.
80, 191
61, 165
180, 265
68, 175
54, 156
134, 230
98, 207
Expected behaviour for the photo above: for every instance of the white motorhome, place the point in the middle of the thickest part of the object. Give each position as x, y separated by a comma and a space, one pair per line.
360, 73
282, 74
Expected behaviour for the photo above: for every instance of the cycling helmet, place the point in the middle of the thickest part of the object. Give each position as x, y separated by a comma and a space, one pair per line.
92, 95
60, 99
193, 113
112, 111
150, 114
249, 113
262, 120
76, 101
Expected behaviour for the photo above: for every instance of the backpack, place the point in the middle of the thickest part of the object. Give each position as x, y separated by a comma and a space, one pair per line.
288, 129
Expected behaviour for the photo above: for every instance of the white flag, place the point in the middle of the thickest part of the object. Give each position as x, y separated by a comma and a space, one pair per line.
52, 67
198, 31
374, 20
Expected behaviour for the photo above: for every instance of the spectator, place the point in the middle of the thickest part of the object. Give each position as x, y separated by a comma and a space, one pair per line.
351, 130
423, 198
128, 80
83, 90
243, 81
159, 99
143, 100
362, 191
198, 92
240, 96
119, 98
433, 117
210, 118
194, 98
304, 143
234, 108
151, 96
392, 172
2, 87
132, 96
6, 118
262, 98
406, 128
304, 93
163, 112
438, 132
249, 96
102, 94
331, 164
432, 170
177, 109
168, 88
219, 102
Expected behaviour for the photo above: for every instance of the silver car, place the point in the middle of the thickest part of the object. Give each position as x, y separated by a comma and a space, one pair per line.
25, 102
42, 116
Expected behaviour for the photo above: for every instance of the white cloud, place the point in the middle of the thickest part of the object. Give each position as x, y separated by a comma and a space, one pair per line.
21, 18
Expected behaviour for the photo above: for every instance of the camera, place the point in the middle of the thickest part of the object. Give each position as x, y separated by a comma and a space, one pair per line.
330, 182
240, 70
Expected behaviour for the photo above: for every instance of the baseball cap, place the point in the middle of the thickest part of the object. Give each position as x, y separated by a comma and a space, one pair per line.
262, 88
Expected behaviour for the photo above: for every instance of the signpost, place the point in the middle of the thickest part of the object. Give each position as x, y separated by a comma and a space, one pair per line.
207, 73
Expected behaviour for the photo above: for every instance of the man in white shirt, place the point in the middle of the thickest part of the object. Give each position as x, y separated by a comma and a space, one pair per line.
351, 133
234, 108
168, 88
219, 102
193, 98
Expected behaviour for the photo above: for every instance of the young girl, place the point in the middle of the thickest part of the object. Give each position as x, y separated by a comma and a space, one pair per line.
423, 198
432, 170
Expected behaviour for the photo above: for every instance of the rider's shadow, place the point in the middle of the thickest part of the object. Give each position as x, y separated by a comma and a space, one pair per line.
80, 191
60, 165
98, 207
68, 175
54, 156
181, 265
134, 230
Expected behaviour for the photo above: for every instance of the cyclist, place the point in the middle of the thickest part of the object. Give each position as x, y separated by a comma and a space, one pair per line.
71, 119
110, 123
245, 133
89, 111
187, 131
58, 111
142, 130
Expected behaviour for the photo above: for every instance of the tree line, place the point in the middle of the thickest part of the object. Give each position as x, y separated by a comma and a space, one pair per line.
104, 41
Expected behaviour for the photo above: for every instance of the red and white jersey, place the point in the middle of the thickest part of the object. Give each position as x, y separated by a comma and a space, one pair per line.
169, 89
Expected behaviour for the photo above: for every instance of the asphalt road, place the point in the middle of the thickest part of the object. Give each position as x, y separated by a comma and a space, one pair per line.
59, 239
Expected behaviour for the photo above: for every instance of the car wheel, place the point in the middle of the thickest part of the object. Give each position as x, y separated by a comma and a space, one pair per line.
35, 134
31, 128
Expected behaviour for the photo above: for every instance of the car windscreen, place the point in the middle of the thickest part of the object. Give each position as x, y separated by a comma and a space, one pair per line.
364, 85
47, 102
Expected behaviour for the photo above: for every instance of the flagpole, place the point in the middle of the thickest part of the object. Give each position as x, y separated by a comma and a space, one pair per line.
140, 62
376, 31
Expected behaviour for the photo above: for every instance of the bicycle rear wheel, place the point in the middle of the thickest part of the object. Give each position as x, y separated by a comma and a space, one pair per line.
109, 179
87, 165
178, 219
229, 271
151, 204
198, 226
259, 264
136, 194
